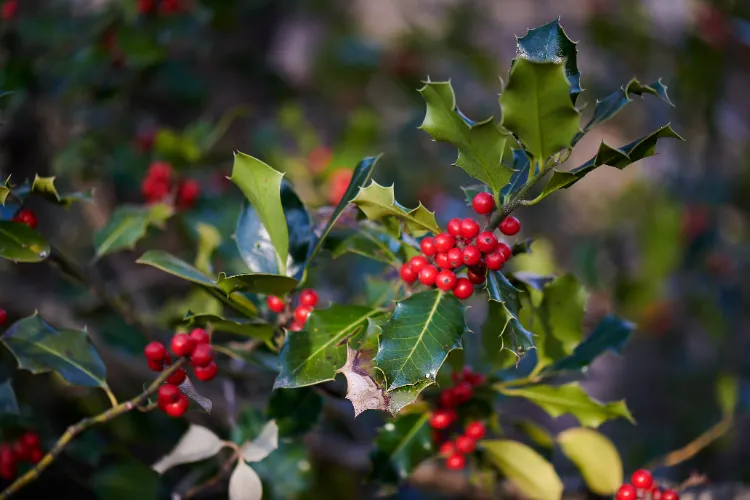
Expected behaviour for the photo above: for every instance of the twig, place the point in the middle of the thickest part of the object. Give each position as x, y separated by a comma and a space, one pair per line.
691, 449
216, 478
76, 429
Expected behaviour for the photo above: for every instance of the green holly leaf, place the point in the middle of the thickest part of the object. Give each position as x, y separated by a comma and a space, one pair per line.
480, 145
534, 476
570, 399
371, 242
209, 239
503, 329
595, 457
127, 225
401, 445
314, 354
125, 480
176, 267
263, 283
607, 155
613, 103
378, 202
361, 176
418, 336
20, 243
8, 401
261, 185
550, 44
247, 328
45, 186
39, 347
537, 108
611, 334
295, 411
256, 247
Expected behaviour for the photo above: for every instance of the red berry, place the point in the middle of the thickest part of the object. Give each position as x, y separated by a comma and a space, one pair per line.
7, 471
20, 451
442, 261
170, 6
200, 336
178, 407
510, 226
448, 398
475, 378
187, 192
626, 492
26, 216
160, 170
275, 304
442, 419
455, 462
469, 229
471, 255
146, 6
642, 479
465, 445
444, 242
338, 183
168, 393
182, 344
31, 440
427, 246
418, 262
319, 158
463, 392
483, 203
463, 289
309, 297
301, 313
447, 449
36, 456
202, 355
486, 242
427, 275
156, 366
670, 495
504, 249
6, 455
3, 317
656, 493
454, 227
155, 351
494, 261
9, 10
475, 431
206, 373
295, 327
477, 275
445, 280
408, 274
179, 376
455, 257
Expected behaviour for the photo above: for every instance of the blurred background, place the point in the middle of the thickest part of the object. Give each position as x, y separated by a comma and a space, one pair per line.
99, 90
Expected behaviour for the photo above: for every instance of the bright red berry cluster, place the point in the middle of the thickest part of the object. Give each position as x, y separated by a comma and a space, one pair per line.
146, 7
463, 245
159, 182
26, 216
27, 448
197, 347
455, 451
643, 486
306, 302
9, 9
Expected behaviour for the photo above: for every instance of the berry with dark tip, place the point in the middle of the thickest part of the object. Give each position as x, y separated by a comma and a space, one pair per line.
471, 255
428, 275
463, 289
454, 227
418, 262
168, 393
445, 280
182, 344
455, 257
483, 203
427, 246
442, 261
275, 304
494, 261
206, 373
444, 242
510, 226
455, 462
308, 297
486, 242
469, 229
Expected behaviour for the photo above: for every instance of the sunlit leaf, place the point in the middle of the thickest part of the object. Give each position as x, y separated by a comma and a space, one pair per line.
525, 468
198, 443
596, 458
127, 225
378, 202
20, 243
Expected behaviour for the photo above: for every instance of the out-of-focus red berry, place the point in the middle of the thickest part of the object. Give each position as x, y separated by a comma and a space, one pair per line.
337, 185
187, 193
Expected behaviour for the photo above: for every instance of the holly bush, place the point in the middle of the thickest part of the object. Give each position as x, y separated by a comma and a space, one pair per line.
398, 344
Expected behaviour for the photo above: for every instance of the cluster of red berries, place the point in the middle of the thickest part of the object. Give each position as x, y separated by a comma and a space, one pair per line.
306, 301
643, 486
9, 9
159, 182
146, 7
26, 216
455, 451
197, 347
27, 448
464, 244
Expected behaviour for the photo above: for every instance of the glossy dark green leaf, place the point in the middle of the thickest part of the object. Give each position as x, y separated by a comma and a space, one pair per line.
550, 44
503, 328
534, 476
613, 103
45, 186
611, 334
127, 225
8, 401
314, 354
247, 328
263, 283
570, 399
125, 480
379, 202
360, 177
521, 165
418, 336
20, 243
401, 445
614, 157
256, 247
40, 347
537, 108
372, 243
480, 145
295, 411
561, 318
261, 185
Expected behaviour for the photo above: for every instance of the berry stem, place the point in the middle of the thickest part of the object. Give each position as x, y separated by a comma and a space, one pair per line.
76, 429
